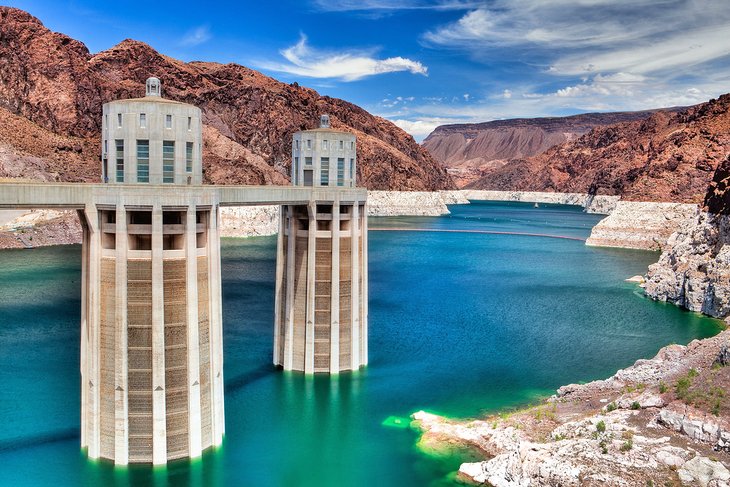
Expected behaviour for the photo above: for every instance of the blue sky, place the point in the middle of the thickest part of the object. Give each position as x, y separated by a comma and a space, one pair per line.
422, 63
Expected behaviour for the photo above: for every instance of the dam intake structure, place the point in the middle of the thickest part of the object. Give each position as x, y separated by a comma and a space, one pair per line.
151, 320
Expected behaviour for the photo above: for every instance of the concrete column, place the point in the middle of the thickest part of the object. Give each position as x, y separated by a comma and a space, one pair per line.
277, 285
93, 315
159, 419
364, 290
121, 362
216, 327
84, 355
193, 340
290, 269
311, 260
355, 300
335, 292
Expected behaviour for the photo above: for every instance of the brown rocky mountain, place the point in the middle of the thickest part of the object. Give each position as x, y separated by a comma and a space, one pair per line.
666, 157
470, 150
52, 90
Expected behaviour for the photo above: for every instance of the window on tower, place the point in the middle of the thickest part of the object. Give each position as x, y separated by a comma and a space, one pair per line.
119, 147
143, 161
168, 161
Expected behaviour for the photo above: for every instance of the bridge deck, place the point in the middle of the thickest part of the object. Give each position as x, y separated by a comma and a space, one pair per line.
77, 195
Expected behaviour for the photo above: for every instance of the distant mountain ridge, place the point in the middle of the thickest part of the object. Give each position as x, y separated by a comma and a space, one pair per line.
469, 150
669, 156
52, 90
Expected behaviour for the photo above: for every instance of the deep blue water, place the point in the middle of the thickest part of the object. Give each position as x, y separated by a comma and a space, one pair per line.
460, 324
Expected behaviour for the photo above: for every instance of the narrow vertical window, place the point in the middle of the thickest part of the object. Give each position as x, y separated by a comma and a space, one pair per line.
168, 161
143, 161
307, 161
142, 120
190, 123
106, 146
106, 121
340, 171
309, 143
168, 121
352, 172
119, 120
296, 144
324, 179
342, 144
325, 145
188, 156
119, 147
352, 145
295, 171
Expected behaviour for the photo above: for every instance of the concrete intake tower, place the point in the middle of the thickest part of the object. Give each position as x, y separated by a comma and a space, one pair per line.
321, 275
151, 351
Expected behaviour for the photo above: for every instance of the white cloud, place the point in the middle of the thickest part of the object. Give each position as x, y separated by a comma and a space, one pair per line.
347, 65
466, 96
421, 127
507, 94
196, 36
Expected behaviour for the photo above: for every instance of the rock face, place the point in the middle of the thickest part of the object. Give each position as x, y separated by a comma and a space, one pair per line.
666, 157
641, 225
631, 429
52, 90
468, 150
694, 269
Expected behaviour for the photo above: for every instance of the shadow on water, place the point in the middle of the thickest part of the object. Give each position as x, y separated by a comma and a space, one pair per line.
243, 380
39, 440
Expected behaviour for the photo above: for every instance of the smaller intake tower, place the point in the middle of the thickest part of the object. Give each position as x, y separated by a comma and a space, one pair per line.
321, 322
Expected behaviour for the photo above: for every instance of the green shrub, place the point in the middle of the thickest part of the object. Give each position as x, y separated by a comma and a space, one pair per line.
601, 426
628, 445
635, 405
662, 387
611, 407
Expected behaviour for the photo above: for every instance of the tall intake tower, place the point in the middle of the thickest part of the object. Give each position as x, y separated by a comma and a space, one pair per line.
151, 351
321, 322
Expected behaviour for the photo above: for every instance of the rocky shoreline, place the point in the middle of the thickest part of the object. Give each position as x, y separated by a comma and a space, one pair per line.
659, 422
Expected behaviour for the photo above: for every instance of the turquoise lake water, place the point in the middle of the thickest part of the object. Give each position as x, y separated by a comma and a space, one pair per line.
460, 323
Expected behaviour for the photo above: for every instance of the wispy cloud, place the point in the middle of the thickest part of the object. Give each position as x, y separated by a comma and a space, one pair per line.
195, 37
591, 36
347, 65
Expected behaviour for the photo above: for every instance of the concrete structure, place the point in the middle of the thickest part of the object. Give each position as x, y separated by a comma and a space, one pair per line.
323, 157
151, 325
321, 286
151, 140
